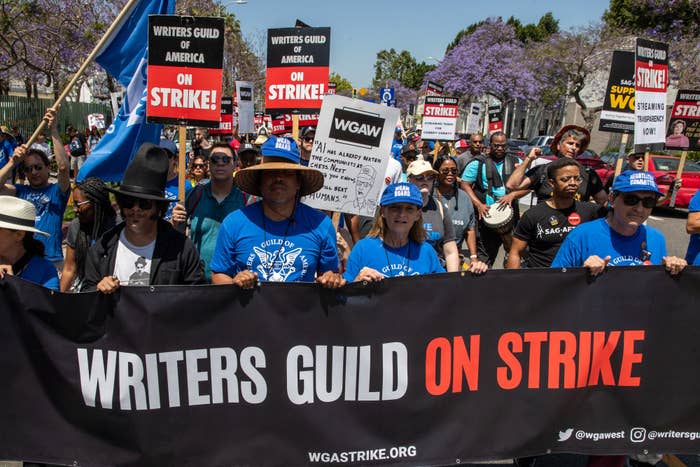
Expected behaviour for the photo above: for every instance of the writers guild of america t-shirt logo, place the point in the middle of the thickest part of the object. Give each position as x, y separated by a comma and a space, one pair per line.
278, 265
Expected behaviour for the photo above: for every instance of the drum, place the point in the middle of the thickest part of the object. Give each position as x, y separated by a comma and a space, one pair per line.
499, 218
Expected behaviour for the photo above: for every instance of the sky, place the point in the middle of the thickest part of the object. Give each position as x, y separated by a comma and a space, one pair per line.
361, 28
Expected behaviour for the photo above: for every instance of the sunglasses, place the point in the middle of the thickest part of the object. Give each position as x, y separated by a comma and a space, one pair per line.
448, 171
199, 166
495, 145
76, 206
421, 178
128, 202
309, 139
32, 168
221, 159
636, 156
632, 200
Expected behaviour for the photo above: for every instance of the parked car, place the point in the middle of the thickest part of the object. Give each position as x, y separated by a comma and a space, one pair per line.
664, 168
514, 147
540, 141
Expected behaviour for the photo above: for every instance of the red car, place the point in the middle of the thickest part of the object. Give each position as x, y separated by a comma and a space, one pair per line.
664, 169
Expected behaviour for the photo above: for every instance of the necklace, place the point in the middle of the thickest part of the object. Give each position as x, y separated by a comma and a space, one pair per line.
405, 264
275, 258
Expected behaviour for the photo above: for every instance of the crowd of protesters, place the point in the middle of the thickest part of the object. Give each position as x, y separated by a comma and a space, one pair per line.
242, 219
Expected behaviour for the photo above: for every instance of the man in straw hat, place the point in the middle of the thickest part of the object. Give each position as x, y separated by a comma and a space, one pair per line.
570, 141
49, 199
21, 254
144, 249
278, 239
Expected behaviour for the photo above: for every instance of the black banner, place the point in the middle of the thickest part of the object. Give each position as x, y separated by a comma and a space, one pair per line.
406, 371
617, 115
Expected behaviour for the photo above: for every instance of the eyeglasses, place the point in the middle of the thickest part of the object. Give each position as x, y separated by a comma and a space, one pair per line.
199, 166
32, 168
498, 145
632, 200
76, 206
221, 159
421, 178
309, 139
128, 202
567, 179
452, 171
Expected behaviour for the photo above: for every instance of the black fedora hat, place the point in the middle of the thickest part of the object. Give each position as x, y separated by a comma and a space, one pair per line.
146, 175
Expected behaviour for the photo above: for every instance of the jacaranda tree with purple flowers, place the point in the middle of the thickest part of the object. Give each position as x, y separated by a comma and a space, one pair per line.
489, 60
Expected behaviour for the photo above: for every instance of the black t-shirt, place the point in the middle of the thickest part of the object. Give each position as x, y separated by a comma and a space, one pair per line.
539, 182
544, 229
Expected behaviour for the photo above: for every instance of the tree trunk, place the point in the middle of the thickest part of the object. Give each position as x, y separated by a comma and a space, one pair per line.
28, 87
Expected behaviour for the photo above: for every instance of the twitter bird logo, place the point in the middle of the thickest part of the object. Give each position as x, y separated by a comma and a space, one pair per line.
566, 434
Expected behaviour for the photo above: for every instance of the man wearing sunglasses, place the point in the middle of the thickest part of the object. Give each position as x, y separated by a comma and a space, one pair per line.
484, 180
208, 204
621, 238
49, 199
307, 145
143, 249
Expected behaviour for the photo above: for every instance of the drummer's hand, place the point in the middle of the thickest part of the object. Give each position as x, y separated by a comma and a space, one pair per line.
483, 210
369, 275
506, 200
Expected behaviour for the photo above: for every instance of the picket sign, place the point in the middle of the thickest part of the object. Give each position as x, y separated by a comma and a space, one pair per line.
679, 172
623, 145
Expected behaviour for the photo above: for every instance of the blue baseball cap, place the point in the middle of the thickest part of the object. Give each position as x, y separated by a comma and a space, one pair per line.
401, 193
168, 145
279, 146
632, 180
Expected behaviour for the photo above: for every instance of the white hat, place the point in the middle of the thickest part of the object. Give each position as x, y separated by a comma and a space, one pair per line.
420, 167
18, 214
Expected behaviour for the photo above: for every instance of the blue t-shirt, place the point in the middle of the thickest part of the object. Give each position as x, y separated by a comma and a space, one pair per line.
469, 176
50, 204
597, 238
284, 251
206, 215
396, 147
6, 151
171, 193
411, 259
692, 256
41, 271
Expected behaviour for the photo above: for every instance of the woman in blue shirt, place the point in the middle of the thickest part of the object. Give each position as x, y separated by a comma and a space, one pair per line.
20, 253
395, 245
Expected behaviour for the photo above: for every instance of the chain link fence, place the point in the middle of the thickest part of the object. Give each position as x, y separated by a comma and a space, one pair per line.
26, 113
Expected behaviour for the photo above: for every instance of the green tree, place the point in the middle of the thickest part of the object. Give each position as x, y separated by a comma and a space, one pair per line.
660, 16
545, 27
341, 84
401, 66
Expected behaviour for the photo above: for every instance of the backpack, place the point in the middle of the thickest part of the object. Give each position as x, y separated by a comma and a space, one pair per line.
493, 178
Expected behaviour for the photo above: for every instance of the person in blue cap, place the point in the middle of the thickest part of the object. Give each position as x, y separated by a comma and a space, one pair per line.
172, 184
277, 239
621, 238
395, 245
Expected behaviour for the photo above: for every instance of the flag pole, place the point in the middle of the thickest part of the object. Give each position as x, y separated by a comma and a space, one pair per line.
90, 58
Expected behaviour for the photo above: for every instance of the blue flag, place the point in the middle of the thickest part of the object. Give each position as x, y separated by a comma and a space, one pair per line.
125, 57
